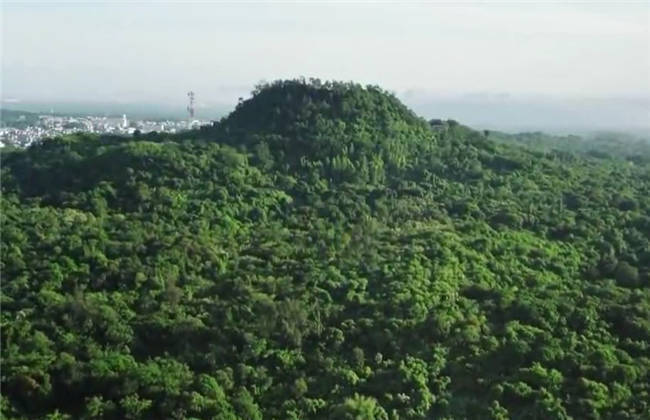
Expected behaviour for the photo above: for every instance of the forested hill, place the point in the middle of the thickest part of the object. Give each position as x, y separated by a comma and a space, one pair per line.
18, 119
605, 145
323, 253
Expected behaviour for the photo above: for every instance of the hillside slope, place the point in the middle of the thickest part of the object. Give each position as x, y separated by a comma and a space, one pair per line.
321, 253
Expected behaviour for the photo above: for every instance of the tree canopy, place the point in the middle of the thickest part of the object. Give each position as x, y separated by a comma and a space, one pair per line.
323, 253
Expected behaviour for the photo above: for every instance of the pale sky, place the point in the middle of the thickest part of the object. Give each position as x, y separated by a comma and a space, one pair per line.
154, 51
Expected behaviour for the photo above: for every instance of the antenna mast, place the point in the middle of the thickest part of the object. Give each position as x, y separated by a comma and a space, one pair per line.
190, 107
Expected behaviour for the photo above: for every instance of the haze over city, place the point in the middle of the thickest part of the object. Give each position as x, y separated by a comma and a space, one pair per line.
551, 66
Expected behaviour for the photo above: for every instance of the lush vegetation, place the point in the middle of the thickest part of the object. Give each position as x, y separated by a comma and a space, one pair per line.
602, 145
323, 253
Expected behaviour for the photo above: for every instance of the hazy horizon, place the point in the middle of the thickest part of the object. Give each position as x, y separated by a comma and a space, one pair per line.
553, 67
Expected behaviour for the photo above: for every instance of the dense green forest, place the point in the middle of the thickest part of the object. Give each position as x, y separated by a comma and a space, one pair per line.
603, 145
323, 253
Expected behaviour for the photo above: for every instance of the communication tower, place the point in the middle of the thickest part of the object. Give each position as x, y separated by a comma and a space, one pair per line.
190, 107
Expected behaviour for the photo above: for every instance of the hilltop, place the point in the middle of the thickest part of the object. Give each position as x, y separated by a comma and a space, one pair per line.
315, 119
12, 118
323, 253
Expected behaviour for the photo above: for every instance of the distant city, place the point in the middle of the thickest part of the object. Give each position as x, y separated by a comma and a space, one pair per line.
29, 127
